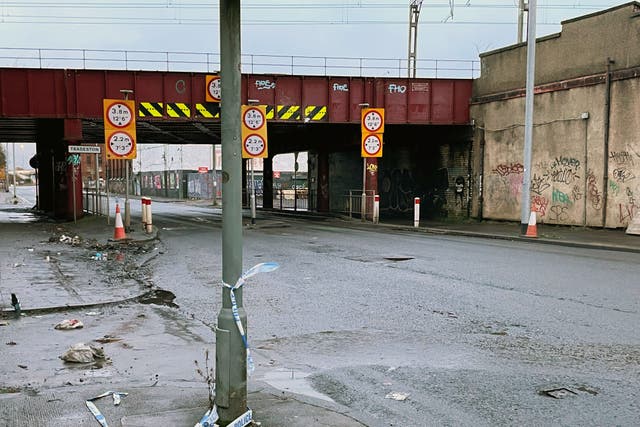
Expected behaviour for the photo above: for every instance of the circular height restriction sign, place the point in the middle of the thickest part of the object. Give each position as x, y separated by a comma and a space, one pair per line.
372, 120
253, 118
120, 144
255, 146
214, 90
119, 115
372, 145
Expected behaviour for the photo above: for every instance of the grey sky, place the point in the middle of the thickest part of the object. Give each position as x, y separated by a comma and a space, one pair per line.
351, 28
342, 28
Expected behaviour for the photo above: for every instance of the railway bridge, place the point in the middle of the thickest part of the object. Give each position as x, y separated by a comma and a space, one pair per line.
427, 141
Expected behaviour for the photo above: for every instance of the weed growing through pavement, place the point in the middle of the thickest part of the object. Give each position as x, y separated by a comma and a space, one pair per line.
208, 376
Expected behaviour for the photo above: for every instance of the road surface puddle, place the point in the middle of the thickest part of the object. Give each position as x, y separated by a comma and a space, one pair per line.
294, 382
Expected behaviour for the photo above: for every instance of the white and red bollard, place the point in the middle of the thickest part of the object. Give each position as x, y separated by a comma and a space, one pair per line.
416, 212
376, 208
144, 212
147, 222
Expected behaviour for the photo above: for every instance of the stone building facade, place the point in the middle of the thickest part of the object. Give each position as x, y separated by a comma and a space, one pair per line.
586, 135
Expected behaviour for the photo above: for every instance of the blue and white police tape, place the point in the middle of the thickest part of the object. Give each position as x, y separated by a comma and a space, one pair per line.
209, 419
96, 412
264, 267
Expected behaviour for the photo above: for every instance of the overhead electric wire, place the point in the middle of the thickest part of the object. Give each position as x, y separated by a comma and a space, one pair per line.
267, 6
192, 21
8, 17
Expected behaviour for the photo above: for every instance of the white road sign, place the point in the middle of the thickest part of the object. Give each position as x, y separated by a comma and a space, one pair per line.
372, 121
253, 118
121, 143
84, 149
372, 144
119, 115
254, 145
214, 89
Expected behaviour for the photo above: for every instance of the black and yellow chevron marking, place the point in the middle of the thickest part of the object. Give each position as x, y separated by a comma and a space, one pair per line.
150, 109
209, 110
288, 112
270, 112
178, 109
315, 112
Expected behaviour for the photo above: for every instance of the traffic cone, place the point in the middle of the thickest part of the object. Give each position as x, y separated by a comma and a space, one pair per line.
532, 230
119, 233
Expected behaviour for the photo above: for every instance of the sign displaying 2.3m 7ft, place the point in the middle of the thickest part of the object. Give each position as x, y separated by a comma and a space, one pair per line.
119, 128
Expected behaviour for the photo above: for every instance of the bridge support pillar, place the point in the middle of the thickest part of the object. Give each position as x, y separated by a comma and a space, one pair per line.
371, 182
267, 183
56, 173
323, 181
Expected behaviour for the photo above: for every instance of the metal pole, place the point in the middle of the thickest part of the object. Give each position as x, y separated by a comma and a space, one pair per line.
15, 198
214, 175
520, 20
98, 201
525, 204
106, 182
73, 188
127, 164
363, 201
231, 362
127, 204
253, 195
295, 177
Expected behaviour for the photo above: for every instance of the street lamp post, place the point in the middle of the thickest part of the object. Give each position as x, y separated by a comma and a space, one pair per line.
231, 353
525, 208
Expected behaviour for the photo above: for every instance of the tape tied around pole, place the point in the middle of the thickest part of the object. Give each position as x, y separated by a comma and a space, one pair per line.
264, 267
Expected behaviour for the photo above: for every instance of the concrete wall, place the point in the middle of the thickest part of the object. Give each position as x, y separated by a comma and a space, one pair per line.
568, 157
581, 49
576, 180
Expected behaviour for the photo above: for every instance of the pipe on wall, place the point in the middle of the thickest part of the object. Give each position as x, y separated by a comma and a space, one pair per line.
607, 121
481, 177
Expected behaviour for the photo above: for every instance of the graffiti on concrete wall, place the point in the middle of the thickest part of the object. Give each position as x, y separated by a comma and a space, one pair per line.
564, 170
623, 175
558, 213
509, 169
594, 196
398, 188
621, 158
560, 197
539, 204
539, 183
621, 185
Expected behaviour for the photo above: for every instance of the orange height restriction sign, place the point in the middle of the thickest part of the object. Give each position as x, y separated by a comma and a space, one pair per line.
119, 128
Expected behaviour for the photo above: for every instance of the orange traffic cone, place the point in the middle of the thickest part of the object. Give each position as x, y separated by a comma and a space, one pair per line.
119, 233
532, 230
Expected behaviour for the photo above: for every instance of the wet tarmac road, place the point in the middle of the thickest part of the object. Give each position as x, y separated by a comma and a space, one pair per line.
471, 331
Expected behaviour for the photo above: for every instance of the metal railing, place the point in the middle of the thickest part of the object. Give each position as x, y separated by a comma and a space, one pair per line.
295, 199
353, 204
135, 60
95, 203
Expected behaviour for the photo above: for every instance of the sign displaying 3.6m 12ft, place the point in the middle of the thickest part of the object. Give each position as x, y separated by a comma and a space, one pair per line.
119, 128
254, 132
372, 126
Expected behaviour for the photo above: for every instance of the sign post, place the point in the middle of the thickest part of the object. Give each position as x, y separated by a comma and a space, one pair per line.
254, 143
90, 149
372, 127
120, 137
